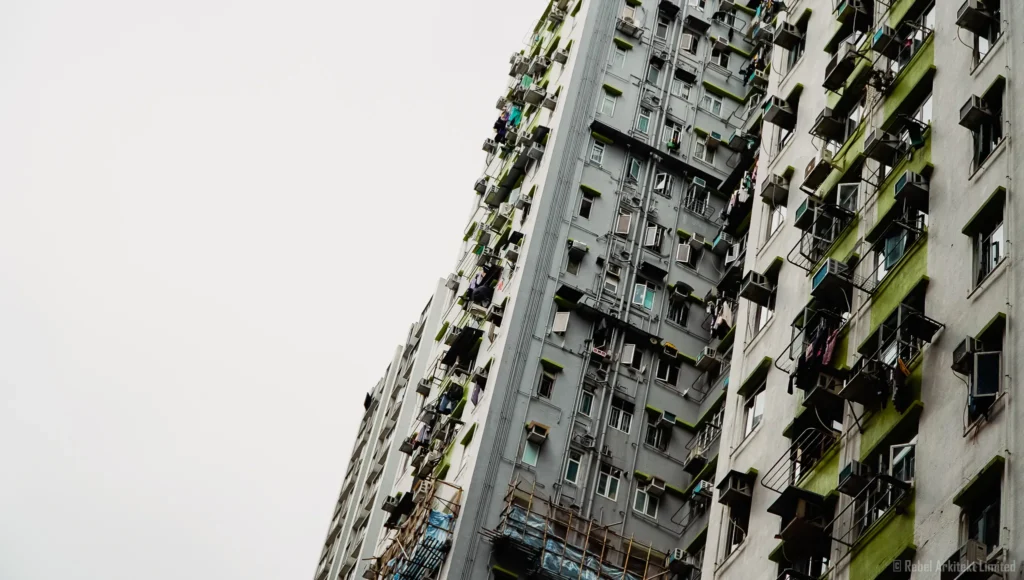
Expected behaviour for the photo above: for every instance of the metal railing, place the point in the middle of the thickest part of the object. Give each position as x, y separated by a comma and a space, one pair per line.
801, 457
880, 496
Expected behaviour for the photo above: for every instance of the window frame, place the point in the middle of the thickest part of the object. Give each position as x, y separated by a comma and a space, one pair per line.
586, 201
597, 148
649, 294
714, 100
530, 445
587, 396
619, 417
648, 500
607, 482
984, 263
570, 460
618, 58
644, 118
608, 99
548, 379
701, 151
753, 410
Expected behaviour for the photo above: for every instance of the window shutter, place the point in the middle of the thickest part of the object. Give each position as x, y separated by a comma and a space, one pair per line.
561, 323
628, 352
651, 239
683, 251
623, 223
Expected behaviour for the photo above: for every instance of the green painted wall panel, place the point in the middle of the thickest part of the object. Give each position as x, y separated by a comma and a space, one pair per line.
920, 67
891, 536
899, 282
922, 157
825, 475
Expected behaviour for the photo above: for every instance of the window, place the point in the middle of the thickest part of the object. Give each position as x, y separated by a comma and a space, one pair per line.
762, 316
652, 237
661, 29
784, 135
668, 371
677, 312
684, 254
531, 452
573, 265
621, 415
612, 278
608, 104
655, 436
629, 12
980, 519
643, 121
753, 411
988, 132
623, 223
688, 43
643, 295
645, 503
546, 386
711, 104
702, 152
989, 251
632, 356
720, 57
672, 134
736, 530
699, 4
654, 74
794, 54
680, 88
572, 467
618, 57
597, 153
608, 482
635, 168
983, 42
586, 405
776, 217
902, 460
586, 204
663, 185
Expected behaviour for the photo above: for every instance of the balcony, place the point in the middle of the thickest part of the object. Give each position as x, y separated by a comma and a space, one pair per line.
880, 497
808, 448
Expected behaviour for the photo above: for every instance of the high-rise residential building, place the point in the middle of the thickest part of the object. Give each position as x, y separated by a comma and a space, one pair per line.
388, 411
706, 309
869, 428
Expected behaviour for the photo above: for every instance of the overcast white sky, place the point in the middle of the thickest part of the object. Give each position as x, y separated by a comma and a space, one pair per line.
217, 220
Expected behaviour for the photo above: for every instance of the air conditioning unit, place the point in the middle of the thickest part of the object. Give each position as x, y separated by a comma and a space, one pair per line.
538, 65
697, 241
885, 42
452, 282
756, 288
853, 478
536, 432
656, 487
704, 488
433, 457
974, 112
829, 126
713, 140
666, 419
510, 252
628, 26
882, 146
775, 190
390, 504
519, 64
758, 79
561, 56
787, 35
556, 15
422, 491
973, 16
778, 112
726, 5
831, 281
708, 358
501, 104
678, 562
817, 170
490, 146
963, 355
606, 451
839, 68
698, 183
481, 185
695, 460
534, 95
913, 189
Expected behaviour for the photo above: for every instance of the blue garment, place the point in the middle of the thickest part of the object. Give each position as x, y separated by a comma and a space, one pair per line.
515, 116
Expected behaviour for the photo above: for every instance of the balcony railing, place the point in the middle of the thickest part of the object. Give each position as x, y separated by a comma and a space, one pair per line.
882, 495
801, 457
